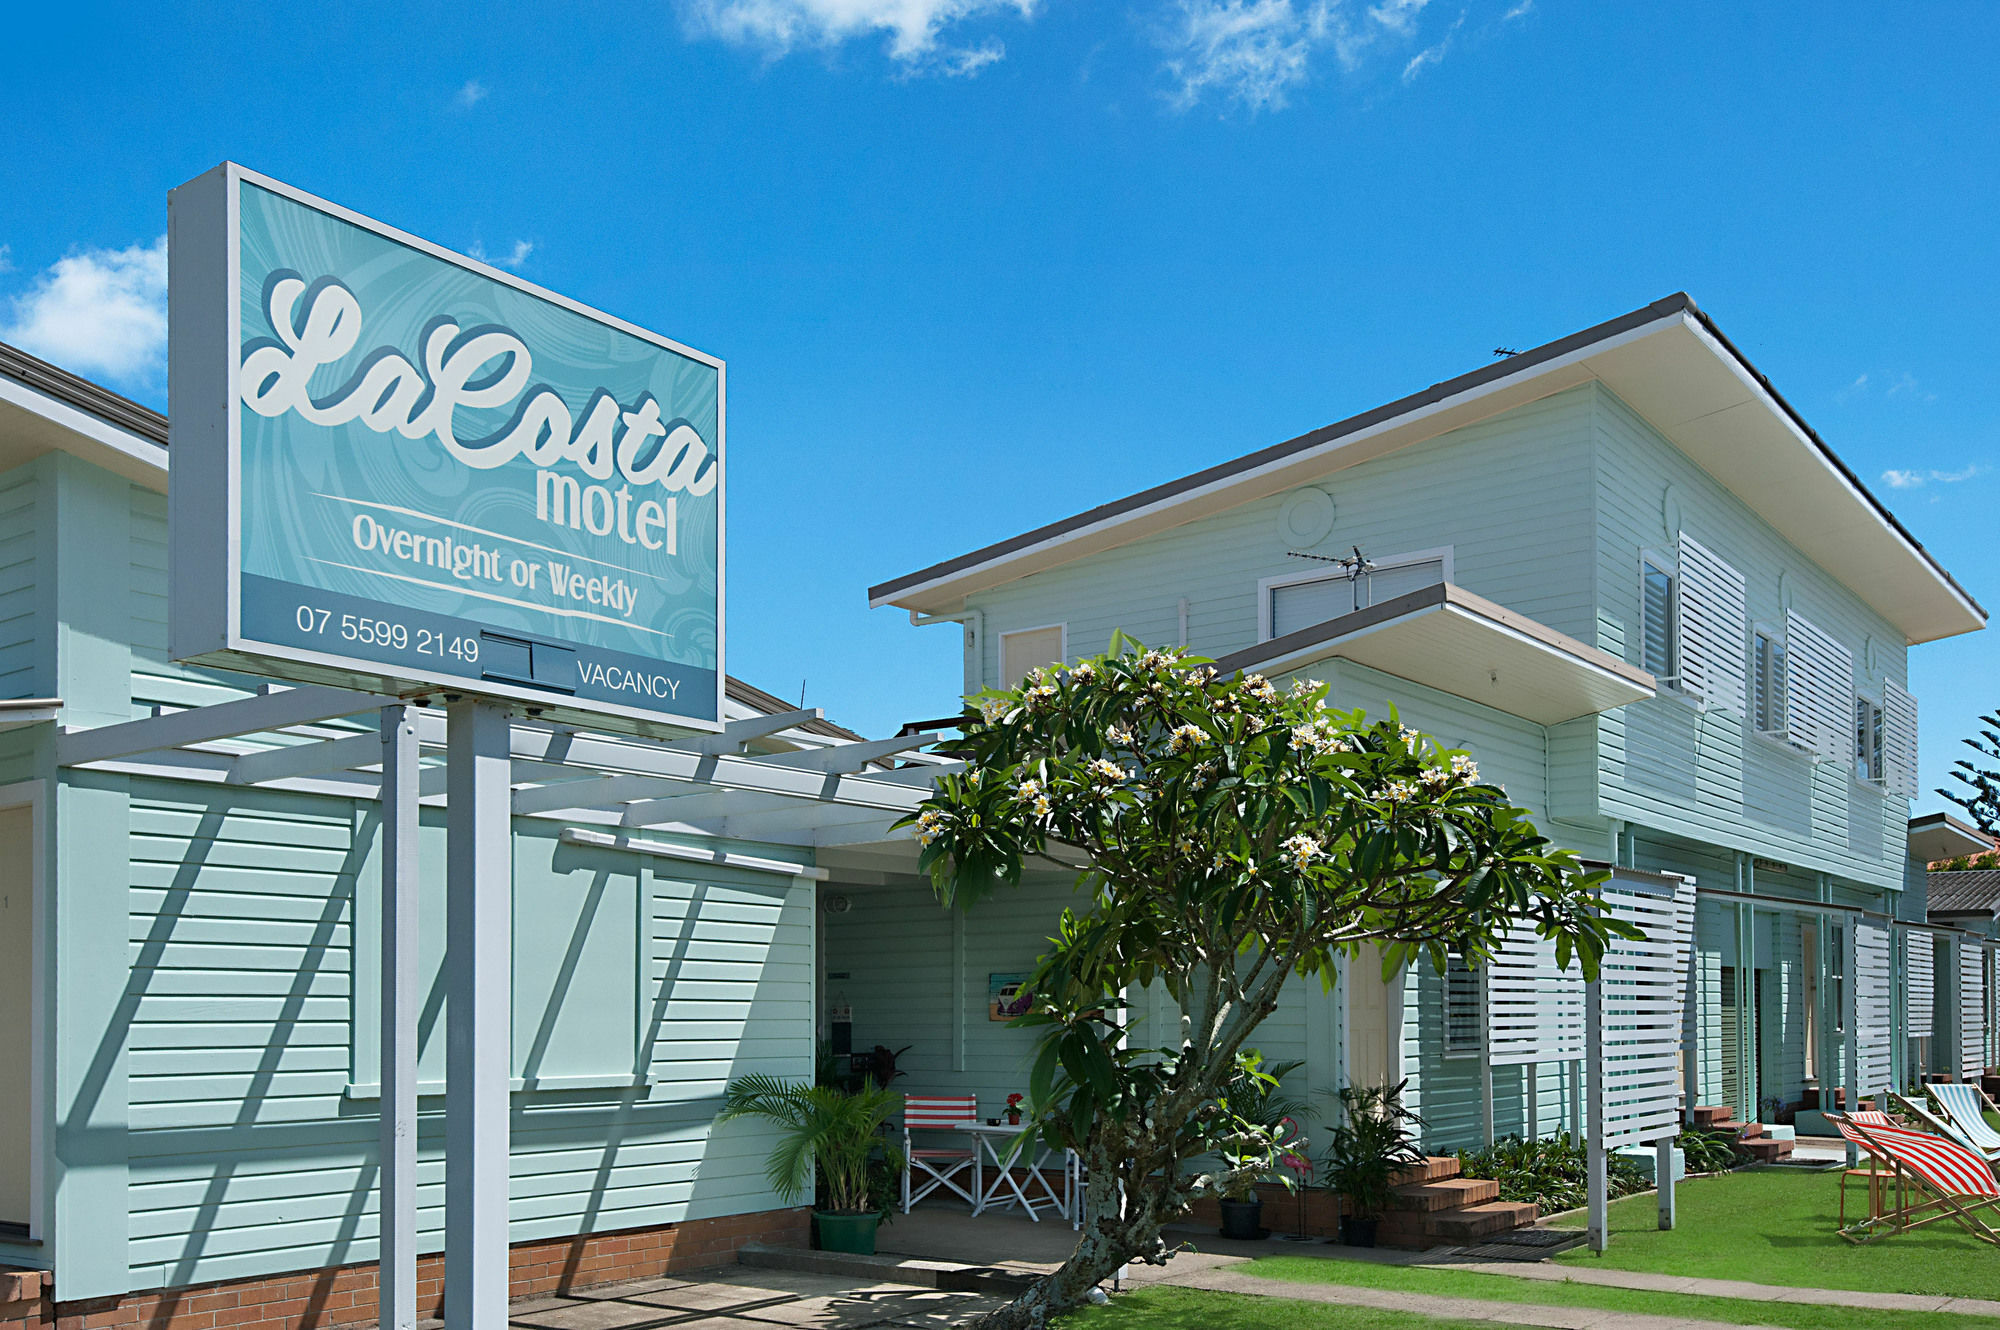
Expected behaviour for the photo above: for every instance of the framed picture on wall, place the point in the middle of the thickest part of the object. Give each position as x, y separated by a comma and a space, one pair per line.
1007, 996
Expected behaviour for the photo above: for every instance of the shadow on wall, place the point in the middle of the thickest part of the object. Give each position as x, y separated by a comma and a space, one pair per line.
248, 1156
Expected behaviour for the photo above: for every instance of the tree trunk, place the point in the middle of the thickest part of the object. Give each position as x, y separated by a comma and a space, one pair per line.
1110, 1240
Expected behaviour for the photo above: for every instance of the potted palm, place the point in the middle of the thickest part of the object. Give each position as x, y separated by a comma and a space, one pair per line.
835, 1131
1261, 1125
1364, 1150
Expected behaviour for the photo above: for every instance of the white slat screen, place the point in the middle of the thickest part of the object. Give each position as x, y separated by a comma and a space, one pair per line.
1819, 690
1641, 989
1971, 1007
1899, 741
1873, 1042
1712, 615
1534, 1011
1922, 991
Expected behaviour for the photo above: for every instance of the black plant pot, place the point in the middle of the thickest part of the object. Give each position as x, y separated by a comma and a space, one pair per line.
1358, 1232
1243, 1220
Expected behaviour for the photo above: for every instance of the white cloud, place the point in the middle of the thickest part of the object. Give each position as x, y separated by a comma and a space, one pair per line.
1910, 480
98, 311
1247, 51
514, 257
1430, 55
6, 258
472, 94
914, 28
1906, 385
1255, 52
1521, 10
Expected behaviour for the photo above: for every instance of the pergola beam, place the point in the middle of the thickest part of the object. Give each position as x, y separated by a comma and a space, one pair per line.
222, 720
850, 756
306, 759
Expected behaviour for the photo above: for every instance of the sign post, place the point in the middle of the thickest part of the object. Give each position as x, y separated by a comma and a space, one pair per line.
400, 471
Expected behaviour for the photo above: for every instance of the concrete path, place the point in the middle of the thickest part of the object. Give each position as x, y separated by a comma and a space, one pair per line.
1232, 1279
1721, 1288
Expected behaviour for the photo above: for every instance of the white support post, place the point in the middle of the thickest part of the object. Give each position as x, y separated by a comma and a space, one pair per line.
1663, 1179
1850, 1023
1593, 1057
1486, 1053
479, 890
397, 1307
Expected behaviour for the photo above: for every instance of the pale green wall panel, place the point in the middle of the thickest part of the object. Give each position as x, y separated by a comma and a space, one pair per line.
1704, 774
96, 1001
23, 626
1510, 495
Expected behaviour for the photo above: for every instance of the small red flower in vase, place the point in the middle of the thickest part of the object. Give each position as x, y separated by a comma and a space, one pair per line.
1013, 1110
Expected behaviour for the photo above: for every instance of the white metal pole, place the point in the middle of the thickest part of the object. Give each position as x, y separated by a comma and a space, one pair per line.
397, 1305
1849, 1020
1599, 1187
478, 896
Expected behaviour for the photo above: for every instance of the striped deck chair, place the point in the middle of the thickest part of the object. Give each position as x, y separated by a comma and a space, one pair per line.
1964, 1106
940, 1165
1943, 1179
1921, 1118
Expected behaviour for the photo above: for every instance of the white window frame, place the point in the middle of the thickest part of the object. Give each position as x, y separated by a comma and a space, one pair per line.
1456, 967
1877, 778
1670, 564
1777, 734
1327, 572
1000, 660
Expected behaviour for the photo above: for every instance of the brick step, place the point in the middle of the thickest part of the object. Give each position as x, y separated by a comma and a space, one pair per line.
1483, 1220
1765, 1150
1742, 1131
1708, 1115
1435, 1168
1444, 1194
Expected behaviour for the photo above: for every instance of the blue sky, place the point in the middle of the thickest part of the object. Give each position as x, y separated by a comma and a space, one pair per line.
976, 264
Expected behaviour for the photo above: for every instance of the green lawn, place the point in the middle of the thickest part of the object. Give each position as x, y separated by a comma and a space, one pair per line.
1504, 1288
1198, 1309
1778, 1228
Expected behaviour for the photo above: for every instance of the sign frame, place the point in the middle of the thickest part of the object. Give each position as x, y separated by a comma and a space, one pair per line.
204, 493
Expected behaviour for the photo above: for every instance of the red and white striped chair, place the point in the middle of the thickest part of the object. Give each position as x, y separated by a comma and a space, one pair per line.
940, 1165
1945, 1181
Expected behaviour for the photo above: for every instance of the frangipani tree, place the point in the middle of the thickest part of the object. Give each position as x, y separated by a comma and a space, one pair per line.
1231, 837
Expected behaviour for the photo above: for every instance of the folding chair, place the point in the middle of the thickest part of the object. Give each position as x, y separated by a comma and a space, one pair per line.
1944, 1179
1922, 1119
1963, 1106
940, 1165
1875, 1170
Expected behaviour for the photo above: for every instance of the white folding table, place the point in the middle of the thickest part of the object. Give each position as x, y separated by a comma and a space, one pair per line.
1033, 1193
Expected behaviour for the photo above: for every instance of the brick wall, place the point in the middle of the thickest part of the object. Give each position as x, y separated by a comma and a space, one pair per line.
345, 1295
1281, 1210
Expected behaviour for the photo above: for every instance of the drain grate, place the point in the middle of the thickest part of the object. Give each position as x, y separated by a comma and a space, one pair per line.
1526, 1244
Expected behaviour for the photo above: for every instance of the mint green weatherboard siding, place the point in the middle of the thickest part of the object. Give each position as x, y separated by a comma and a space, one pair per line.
1510, 495
1708, 776
249, 1152
915, 974
1546, 509
20, 621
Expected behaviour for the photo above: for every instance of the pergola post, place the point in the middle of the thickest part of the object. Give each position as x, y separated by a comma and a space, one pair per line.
1598, 1183
397, 1307
478, 1002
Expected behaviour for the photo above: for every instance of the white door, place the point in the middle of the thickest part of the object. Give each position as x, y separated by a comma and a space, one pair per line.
16, 1025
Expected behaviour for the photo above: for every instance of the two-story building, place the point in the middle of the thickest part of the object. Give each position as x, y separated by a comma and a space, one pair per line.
1624, 573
